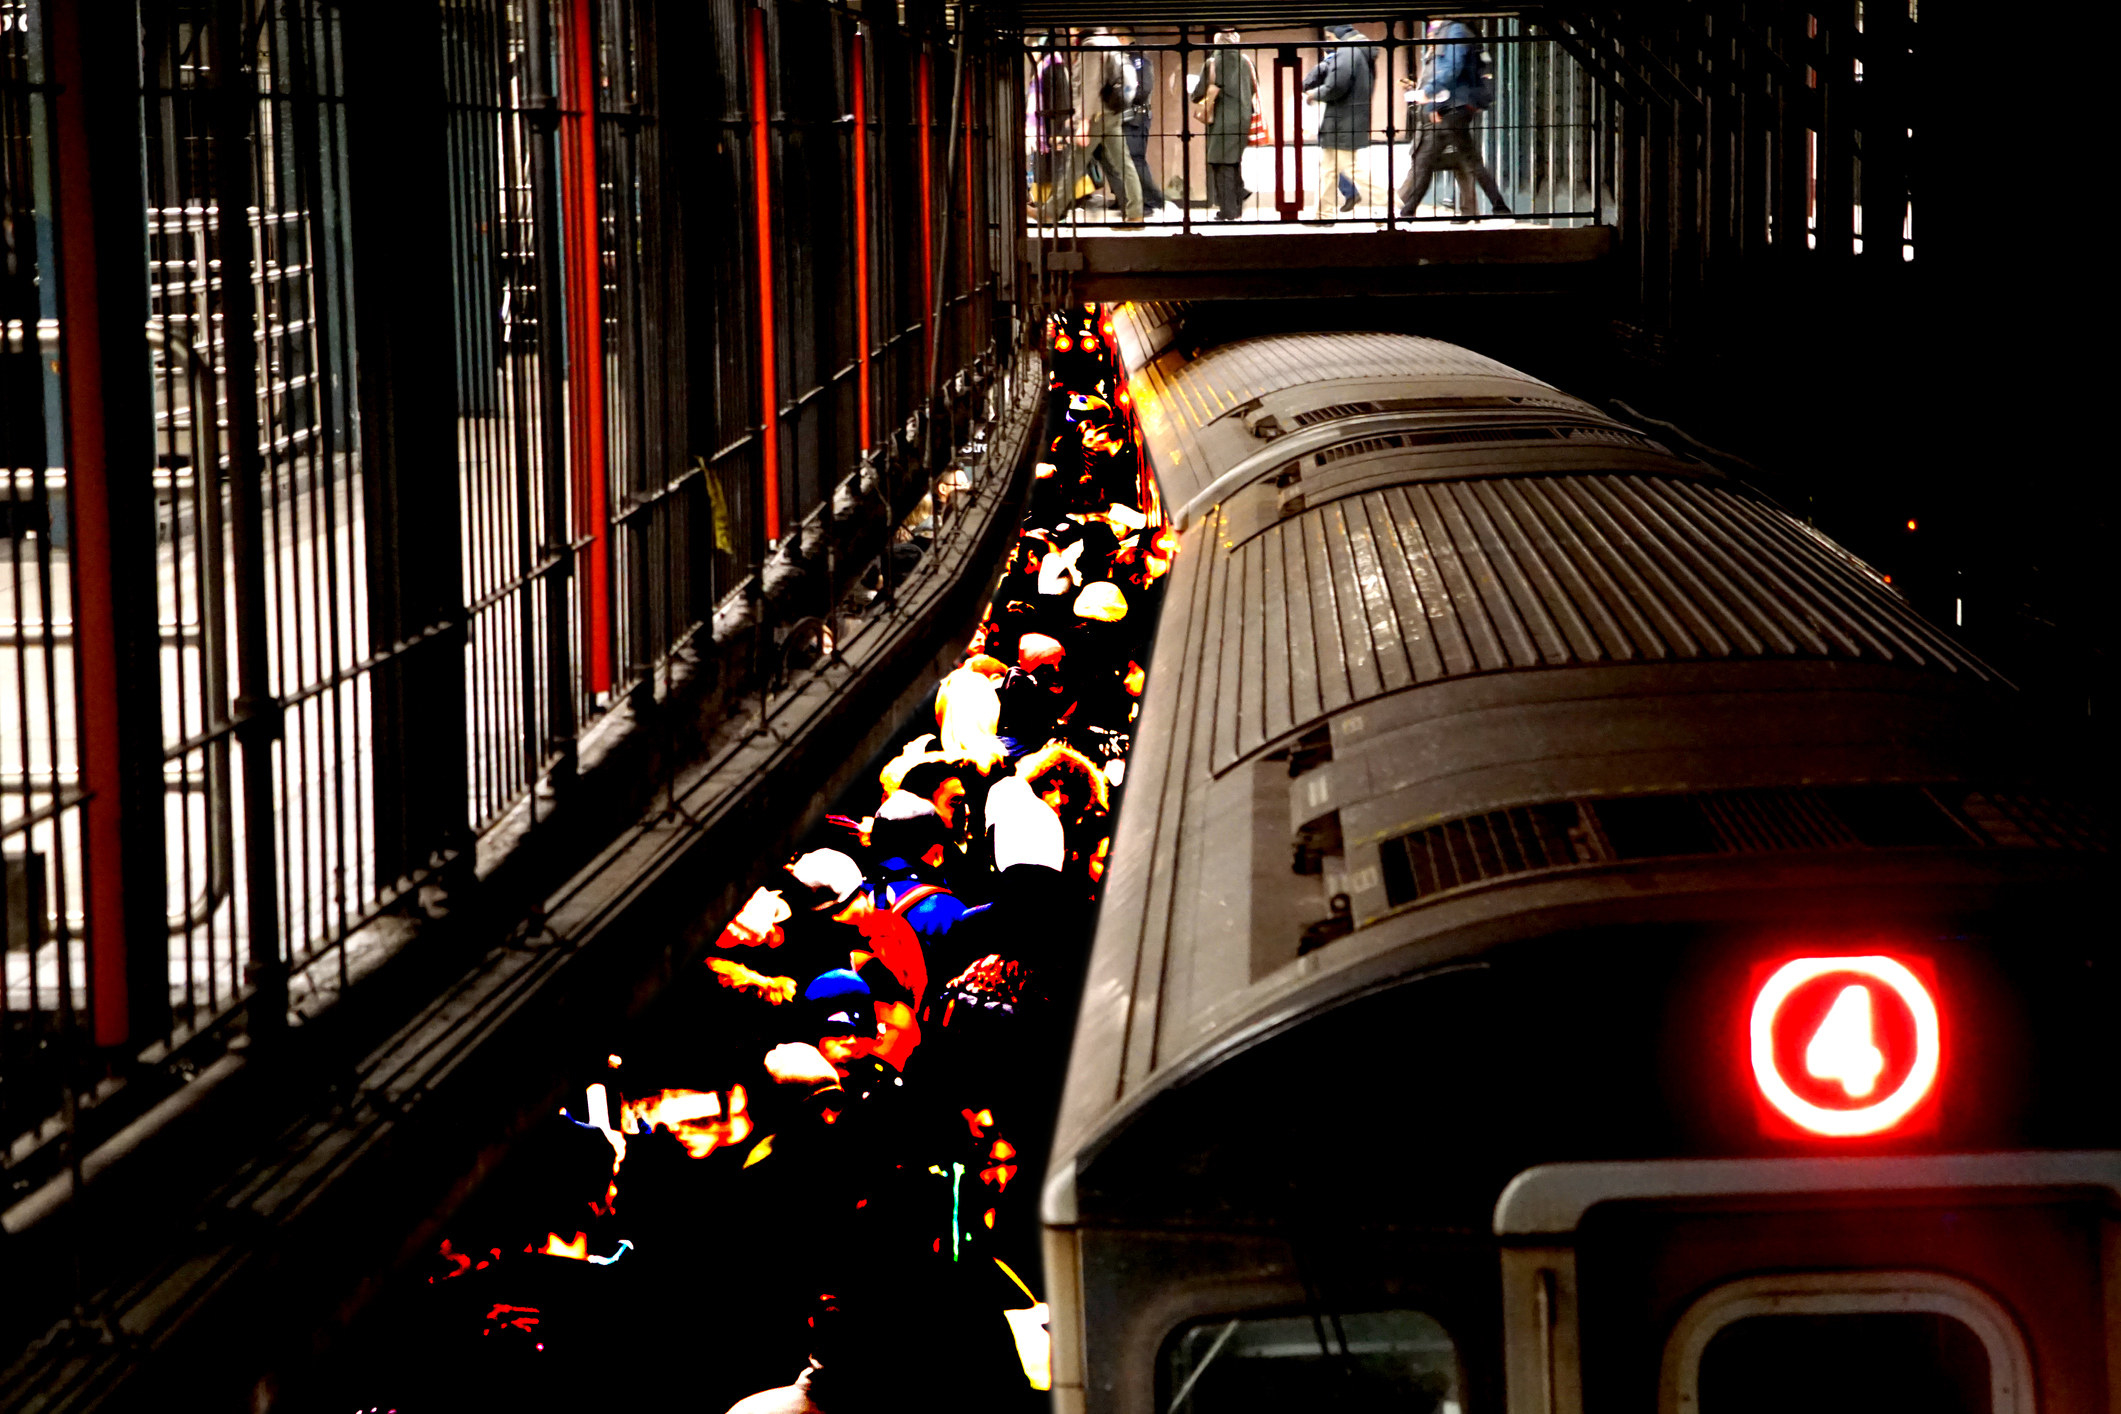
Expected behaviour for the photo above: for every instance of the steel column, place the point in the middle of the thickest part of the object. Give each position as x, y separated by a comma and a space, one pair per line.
762, 234
590, 522
407, 415
101, 192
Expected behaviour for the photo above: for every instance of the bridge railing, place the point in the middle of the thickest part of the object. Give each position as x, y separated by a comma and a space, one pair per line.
1290, 137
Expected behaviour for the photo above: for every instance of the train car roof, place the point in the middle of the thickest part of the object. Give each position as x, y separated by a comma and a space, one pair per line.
1452, 628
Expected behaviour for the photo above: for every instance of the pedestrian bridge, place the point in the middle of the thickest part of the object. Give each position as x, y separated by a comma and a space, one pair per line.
1330, 160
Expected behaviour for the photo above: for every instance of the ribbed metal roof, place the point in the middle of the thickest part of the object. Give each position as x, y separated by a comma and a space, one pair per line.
1179, 397
1410, 584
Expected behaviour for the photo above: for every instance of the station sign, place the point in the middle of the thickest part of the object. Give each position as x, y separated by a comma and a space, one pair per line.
1843, 1047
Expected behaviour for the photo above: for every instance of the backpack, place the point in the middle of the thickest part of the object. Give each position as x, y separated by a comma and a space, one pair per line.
1480, 84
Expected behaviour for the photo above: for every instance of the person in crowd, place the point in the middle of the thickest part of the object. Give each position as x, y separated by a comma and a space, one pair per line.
1077, 792
824, 1134
1107, 69
1343, 80
1441, 105
912, 852
955, 791
1139, 115
1034, 696
1062, 143
968, 711
1224, 91
788, 931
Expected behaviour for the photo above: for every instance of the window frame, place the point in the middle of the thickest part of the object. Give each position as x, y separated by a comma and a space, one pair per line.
2010, 1365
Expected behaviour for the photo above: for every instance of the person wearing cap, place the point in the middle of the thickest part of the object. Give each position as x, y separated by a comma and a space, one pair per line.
909, 847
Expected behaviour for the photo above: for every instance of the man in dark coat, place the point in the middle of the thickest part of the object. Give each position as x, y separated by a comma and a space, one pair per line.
1441, 109
1343, 81
1229, 123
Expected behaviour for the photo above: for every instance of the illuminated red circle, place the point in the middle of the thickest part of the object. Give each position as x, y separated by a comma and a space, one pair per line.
1809, 990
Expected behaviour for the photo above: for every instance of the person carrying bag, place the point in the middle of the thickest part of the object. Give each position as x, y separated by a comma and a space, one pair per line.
1222, 104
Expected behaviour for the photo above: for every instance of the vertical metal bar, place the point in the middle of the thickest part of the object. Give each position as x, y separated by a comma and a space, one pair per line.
257, 710
932, 387
413, 510
924, 119
554, 553
585, 362
762, 234
859, 65
1393, 107
1185, 129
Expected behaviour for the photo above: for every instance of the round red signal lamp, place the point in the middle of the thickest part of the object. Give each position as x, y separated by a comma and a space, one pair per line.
1062, 344
1845, 1046
1089, 343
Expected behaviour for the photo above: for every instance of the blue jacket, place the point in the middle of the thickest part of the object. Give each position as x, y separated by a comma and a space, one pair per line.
1451, 65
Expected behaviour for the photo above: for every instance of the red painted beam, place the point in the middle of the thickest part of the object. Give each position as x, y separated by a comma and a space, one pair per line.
585, 342
89, 512
762, 203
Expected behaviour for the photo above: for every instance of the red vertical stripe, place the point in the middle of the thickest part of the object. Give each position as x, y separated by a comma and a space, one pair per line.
762, 202
861, 234
927, 201
88, 491
585, 342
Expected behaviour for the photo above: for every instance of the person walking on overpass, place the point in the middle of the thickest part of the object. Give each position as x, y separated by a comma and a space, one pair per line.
1061, 158
1222, 96
1105, 76
1343, 80
1141, 85
1452, 89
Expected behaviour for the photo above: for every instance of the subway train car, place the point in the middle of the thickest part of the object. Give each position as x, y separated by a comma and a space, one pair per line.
1578, 942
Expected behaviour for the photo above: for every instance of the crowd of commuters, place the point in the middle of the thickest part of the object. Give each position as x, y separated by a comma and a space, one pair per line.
809, 1180
1090, 117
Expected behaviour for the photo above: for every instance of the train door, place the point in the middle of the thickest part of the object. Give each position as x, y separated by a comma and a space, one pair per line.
1949, 1284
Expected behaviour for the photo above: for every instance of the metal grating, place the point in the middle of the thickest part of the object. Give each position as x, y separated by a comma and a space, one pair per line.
1411, 584
1498, 844
1333, 412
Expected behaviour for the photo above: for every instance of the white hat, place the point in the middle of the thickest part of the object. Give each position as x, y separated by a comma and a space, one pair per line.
829, 870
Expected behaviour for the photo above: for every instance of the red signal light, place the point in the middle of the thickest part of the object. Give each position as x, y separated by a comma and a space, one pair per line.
1062, 344
1845, 1046
1089, 343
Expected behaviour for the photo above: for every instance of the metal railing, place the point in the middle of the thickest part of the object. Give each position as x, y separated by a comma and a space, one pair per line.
369, 659
1538, 136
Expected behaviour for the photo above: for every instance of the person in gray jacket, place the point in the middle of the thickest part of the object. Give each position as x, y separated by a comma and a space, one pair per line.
1343, 81
1229, 122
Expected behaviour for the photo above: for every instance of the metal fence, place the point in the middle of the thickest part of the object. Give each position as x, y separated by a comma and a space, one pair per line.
483, 417
1539, 136
43, 923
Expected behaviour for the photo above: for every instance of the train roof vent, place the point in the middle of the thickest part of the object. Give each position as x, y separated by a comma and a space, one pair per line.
1442, 437
1357, 448
1334, 413
1527, 839
1613, 437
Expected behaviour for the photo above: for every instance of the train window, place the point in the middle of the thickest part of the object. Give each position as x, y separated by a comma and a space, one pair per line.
1404, 1361
1842, 1342
1846, 1364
